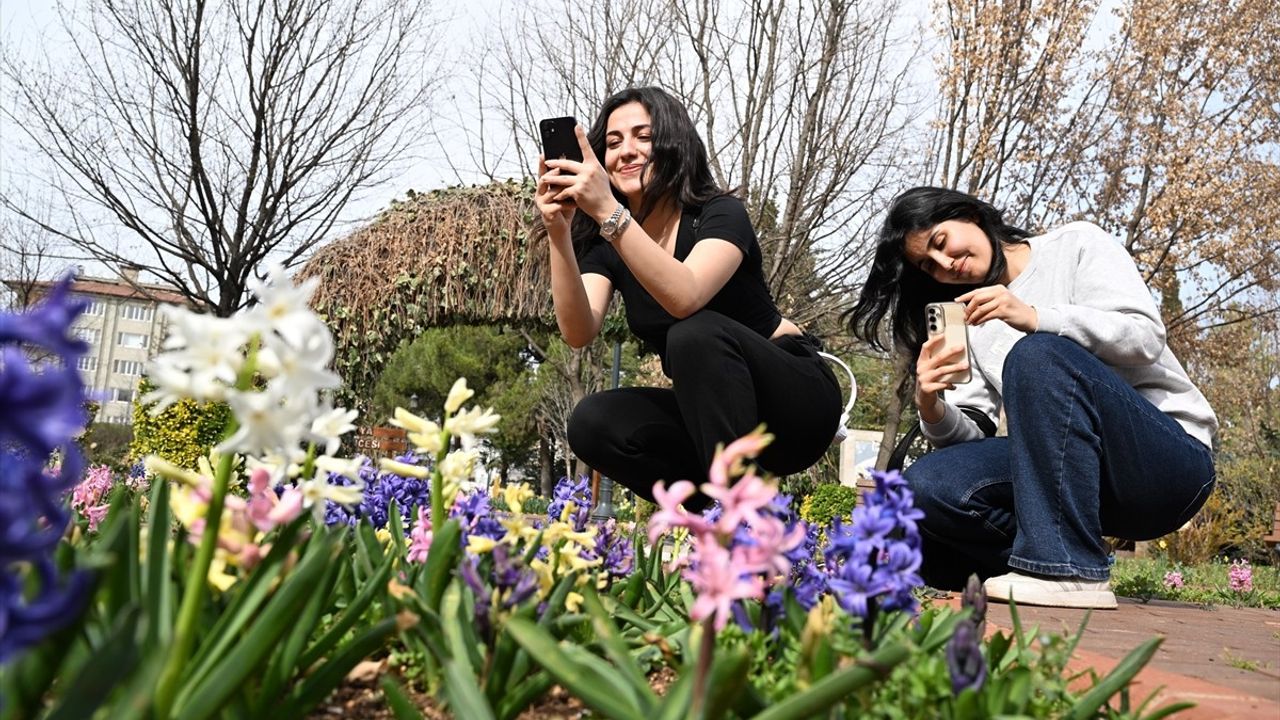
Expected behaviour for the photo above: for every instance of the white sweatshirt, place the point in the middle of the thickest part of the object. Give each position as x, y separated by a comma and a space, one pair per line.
1085, 287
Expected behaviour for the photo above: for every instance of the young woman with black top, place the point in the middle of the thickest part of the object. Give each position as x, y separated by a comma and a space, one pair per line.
643, 216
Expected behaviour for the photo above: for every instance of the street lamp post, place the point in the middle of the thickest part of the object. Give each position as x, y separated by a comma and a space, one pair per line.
604, 508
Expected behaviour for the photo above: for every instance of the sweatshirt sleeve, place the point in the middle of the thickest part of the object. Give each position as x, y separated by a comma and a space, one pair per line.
955, 426
1111, 312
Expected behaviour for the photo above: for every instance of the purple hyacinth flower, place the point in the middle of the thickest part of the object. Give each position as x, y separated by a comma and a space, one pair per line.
579, 491
975, 598
964, 658
43, 410
470, 575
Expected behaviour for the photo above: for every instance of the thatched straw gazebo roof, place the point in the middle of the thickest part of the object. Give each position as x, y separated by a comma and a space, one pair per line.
466, 255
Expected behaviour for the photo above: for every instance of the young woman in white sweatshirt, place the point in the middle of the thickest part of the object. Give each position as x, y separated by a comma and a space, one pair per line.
1107, 436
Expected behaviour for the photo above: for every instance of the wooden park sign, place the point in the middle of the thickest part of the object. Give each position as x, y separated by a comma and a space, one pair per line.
384, 441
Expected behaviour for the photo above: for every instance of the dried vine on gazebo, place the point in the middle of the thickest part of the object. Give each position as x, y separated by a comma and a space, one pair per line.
461, 255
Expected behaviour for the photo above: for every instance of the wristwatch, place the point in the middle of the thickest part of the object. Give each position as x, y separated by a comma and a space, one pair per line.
617, 223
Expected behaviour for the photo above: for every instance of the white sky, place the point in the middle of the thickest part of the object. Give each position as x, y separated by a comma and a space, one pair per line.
32, 27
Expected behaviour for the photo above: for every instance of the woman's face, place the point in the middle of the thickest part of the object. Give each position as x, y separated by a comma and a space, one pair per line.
954, 252
628, 141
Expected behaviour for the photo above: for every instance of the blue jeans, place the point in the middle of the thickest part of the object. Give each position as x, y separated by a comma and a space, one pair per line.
1086, 456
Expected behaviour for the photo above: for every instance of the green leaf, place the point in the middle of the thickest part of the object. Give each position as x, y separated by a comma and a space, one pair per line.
727, 682
596, 689
462, 649
616, 650
158, 592
284, 662
824, 694
204, 695
514, 701
1118, 678
351, 615
465, 698
320, 683
245, 607
441, 560
398, 700
106, 668
679, 698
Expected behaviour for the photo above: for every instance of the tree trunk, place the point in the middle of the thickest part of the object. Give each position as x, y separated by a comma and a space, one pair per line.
893, 414
546, 461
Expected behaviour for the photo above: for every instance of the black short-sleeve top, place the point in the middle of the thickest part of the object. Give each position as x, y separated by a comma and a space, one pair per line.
745, 297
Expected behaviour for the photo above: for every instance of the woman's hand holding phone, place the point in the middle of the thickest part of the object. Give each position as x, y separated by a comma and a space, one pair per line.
935, 363
557, 215
583, 185
996, 302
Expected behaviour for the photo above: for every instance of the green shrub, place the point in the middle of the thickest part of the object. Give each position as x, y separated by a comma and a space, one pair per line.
828, 502
108, 444
1248, 485
182, 434
1208, 533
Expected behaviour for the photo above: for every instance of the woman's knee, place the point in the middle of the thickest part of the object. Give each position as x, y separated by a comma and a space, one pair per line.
1037, 358
695, 336
588, 428
928, 478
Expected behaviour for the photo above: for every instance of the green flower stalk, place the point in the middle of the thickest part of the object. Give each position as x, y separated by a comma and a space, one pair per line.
193, 596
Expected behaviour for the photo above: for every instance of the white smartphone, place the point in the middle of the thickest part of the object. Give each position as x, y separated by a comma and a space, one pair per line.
947, 319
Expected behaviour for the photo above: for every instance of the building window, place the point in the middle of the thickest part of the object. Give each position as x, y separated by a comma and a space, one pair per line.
88, 363
89, 335
129, 311
117, 419
127, 367
121, 394
95, 307
132, 340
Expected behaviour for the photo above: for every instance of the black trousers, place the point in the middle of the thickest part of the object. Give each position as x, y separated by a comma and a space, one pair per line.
726, 380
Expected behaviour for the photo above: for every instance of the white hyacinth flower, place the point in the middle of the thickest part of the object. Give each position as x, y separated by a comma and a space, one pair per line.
346, 467
458, 465
282, 306
266, 425
458, 394
469, 423
318, 489
329, 427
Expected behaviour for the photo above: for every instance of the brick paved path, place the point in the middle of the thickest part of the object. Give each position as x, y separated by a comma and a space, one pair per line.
1225, 659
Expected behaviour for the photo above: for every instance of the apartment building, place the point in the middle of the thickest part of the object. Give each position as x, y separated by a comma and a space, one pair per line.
123, 328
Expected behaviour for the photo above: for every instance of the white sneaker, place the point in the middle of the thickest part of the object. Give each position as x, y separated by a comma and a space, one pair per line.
1068, 592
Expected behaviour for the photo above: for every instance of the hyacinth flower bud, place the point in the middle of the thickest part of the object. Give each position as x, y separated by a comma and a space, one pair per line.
964, 658
975, 598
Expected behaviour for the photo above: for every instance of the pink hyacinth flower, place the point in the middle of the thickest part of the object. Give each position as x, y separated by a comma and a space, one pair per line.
95, 514
1241, 576
720, 578
740, 503
728, 462
772, 541
261, 499
1173, 580
420, 537
670, 514
289, 507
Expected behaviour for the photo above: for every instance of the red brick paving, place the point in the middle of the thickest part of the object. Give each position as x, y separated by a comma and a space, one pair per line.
1200, 660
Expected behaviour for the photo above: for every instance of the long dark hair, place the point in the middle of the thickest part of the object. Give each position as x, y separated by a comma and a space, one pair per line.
677, 166
901, 290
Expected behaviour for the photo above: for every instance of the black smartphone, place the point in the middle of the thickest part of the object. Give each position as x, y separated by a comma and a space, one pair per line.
559, 140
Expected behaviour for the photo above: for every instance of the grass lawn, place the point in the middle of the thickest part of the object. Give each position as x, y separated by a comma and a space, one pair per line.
1205, 584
